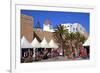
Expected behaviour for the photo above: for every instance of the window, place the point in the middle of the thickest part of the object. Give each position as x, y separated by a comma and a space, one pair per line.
80, 28
76, 29
73, 29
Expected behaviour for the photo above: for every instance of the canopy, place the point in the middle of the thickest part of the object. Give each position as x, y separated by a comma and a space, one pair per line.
35, 43
87, 42
52, 44
44, 43
25, 43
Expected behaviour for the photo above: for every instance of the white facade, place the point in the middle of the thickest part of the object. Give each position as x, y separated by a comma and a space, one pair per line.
47, 27
67, 26
75, 27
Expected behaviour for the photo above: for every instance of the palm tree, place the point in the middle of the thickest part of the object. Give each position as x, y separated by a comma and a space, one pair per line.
60, 36
82, 39
72, 38
79, 38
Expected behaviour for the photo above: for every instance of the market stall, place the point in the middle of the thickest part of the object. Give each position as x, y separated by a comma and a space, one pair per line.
26, 50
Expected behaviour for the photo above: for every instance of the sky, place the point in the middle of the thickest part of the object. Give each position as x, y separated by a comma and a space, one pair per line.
57, 17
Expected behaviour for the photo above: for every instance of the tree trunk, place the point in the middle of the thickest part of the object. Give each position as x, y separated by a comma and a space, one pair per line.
62, 47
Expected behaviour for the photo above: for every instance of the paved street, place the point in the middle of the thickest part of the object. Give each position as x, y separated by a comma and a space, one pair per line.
60, 58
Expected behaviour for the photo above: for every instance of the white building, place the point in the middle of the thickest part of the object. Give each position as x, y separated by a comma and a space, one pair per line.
76, 27
47, 26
